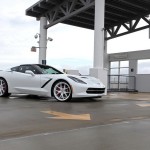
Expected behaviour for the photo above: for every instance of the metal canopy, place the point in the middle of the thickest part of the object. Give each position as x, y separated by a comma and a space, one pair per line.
118, 14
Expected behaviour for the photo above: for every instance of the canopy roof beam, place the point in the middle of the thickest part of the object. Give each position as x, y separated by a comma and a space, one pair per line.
81, 13
131, 26
66, 10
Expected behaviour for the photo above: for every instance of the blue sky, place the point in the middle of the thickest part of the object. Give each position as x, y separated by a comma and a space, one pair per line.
72, 47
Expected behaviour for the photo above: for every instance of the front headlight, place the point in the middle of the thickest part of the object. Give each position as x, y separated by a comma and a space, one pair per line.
77, 80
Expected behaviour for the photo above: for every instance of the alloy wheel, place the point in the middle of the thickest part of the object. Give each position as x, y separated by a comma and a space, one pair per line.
3, 87
62, 91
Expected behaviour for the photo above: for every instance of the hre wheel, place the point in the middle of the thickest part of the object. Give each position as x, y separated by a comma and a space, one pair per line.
3, 88
62, 91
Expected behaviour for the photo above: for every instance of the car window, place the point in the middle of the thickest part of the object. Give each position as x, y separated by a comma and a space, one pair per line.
50, 71
44, 69
21, 69
24, 68
14, 69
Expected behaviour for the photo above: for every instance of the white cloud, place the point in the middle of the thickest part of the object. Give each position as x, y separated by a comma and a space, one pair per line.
131, 42
70, 42
16, 32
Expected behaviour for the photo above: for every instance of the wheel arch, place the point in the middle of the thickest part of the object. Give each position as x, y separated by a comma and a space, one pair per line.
58, 80
4, 79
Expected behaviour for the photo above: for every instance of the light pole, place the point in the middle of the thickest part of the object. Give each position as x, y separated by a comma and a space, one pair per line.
42, 53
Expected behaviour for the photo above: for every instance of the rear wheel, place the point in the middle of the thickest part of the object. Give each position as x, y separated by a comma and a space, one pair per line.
62, 91
3, 88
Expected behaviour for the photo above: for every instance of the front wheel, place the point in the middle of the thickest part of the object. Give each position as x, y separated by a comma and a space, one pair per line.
62, 91
3, 88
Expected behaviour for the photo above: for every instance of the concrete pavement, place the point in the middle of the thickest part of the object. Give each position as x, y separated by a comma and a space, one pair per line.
116, 123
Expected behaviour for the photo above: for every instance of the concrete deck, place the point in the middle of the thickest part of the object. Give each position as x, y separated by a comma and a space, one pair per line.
130, 96
118, 121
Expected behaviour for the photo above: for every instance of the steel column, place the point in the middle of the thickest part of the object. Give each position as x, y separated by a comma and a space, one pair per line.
98, 71
99, 34
43, 41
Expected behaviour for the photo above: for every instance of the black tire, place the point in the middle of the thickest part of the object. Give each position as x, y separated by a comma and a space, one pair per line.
62, 91
3, 88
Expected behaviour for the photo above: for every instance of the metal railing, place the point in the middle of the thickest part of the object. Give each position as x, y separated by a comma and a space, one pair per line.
122, 83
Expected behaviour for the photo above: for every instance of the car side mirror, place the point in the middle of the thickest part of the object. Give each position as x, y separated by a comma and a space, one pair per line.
29, 72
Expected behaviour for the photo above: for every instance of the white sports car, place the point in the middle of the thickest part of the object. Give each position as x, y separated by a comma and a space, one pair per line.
43, 80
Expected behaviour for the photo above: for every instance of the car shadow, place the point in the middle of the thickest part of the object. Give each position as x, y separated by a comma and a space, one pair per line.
47, 99
85, 100
28, 97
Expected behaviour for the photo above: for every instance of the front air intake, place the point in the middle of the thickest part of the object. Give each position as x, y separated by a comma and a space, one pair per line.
95, 90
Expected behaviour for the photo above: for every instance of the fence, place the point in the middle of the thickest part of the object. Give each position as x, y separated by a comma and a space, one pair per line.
122, 83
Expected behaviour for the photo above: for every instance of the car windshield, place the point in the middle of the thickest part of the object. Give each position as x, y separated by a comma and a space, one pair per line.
44, 69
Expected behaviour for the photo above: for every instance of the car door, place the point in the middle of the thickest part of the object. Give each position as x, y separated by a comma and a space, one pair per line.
26, 83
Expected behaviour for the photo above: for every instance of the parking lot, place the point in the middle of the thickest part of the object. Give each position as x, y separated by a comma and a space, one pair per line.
119, 121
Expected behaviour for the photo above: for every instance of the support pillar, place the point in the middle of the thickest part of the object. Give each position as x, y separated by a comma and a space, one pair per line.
132, 72
42, 41
99, 70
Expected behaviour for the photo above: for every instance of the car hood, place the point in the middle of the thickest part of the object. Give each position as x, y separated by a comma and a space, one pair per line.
89, 79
